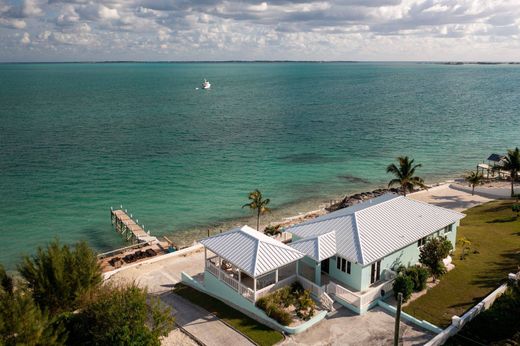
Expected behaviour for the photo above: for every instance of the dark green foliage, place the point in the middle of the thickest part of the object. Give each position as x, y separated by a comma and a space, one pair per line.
403, 284
296, 287
6, 281
512, 164
305, 306
499, 325
274, 307
259, 204
63, 302
433, 252
60, 277
119, 316
21, 321
273, 230
516, 208
474, 179
405, 175
276, 303
418, 275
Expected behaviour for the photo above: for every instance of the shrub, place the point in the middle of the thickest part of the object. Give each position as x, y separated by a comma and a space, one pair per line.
119, 316
433, 252
403, 284
21, 320
281, 316
306, 306
296, 287
273, 230
418, 275
60, 276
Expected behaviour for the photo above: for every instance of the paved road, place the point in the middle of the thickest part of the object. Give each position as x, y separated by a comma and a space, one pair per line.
205, 326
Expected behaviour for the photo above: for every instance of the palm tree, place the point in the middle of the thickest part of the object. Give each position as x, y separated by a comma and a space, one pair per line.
259, 204
405, 174
512, 164
474, 178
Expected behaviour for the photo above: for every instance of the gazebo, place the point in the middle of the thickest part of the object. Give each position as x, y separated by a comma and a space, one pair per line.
250, 262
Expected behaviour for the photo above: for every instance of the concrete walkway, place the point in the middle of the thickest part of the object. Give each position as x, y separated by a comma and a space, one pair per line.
206, 327
374, 328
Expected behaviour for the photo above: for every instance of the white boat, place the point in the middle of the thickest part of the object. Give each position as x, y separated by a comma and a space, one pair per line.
205, 84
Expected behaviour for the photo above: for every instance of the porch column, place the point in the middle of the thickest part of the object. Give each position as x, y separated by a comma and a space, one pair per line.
276, 276
297, 268
317, 274
239, 276
219, 268
205, 258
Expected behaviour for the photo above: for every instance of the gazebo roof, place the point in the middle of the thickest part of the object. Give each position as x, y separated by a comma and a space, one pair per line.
318, 247
495, 157
251, 251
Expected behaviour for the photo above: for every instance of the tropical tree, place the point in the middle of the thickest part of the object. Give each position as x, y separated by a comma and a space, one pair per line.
405, 174
512, 164
119, 315
60, 277
432, 253
259, 204
474, 178
21, 321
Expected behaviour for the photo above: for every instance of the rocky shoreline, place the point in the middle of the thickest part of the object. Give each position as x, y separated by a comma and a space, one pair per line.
351, 200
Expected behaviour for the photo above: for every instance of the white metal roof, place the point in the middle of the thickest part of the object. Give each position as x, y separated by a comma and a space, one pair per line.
251, 251
369, 231
317, 247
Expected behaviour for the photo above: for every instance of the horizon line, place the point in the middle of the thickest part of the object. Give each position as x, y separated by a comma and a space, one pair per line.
446, 62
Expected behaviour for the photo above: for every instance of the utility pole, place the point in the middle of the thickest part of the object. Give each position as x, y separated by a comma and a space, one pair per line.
398, 318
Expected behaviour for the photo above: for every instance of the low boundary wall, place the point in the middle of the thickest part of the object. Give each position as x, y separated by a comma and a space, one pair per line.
246, 307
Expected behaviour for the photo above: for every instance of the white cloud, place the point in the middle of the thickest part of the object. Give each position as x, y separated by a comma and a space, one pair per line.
257, 29
26, 39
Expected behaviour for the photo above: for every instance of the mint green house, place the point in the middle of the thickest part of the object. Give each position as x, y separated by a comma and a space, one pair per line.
353, 252
348, 256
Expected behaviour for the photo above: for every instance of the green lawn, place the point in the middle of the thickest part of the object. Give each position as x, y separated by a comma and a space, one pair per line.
258, 332
494, 232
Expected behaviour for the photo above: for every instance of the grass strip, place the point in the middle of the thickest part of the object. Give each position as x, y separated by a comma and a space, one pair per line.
258, 332
494, 232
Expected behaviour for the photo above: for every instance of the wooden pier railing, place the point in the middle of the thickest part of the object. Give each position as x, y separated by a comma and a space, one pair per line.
130, 229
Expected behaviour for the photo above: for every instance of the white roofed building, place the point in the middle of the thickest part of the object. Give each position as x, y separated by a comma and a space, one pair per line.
349, 255
371, 240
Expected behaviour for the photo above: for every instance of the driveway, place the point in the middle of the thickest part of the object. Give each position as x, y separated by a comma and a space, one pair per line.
376, 327
206, 327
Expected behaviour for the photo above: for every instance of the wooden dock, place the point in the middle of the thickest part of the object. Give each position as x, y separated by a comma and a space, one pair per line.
130, 229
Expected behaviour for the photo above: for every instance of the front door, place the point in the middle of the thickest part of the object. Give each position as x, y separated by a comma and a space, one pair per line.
375, 273
325, 266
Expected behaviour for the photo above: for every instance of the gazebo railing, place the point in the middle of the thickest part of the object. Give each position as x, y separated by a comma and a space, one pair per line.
245, 291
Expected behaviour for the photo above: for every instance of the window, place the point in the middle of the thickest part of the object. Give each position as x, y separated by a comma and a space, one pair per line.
421, 242
343, 265
375, 273
447, 229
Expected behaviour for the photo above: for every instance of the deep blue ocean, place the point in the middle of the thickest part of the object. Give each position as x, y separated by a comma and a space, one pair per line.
76, 139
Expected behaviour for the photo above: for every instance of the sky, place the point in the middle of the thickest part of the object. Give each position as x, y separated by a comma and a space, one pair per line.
150, 30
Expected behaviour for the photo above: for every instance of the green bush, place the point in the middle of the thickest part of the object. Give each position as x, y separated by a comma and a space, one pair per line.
306, 306
419, 275
296, 287
119, 316
60, 277
403, 284
281, 316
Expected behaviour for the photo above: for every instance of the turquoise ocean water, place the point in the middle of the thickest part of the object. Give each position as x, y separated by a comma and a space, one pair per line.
76, 139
